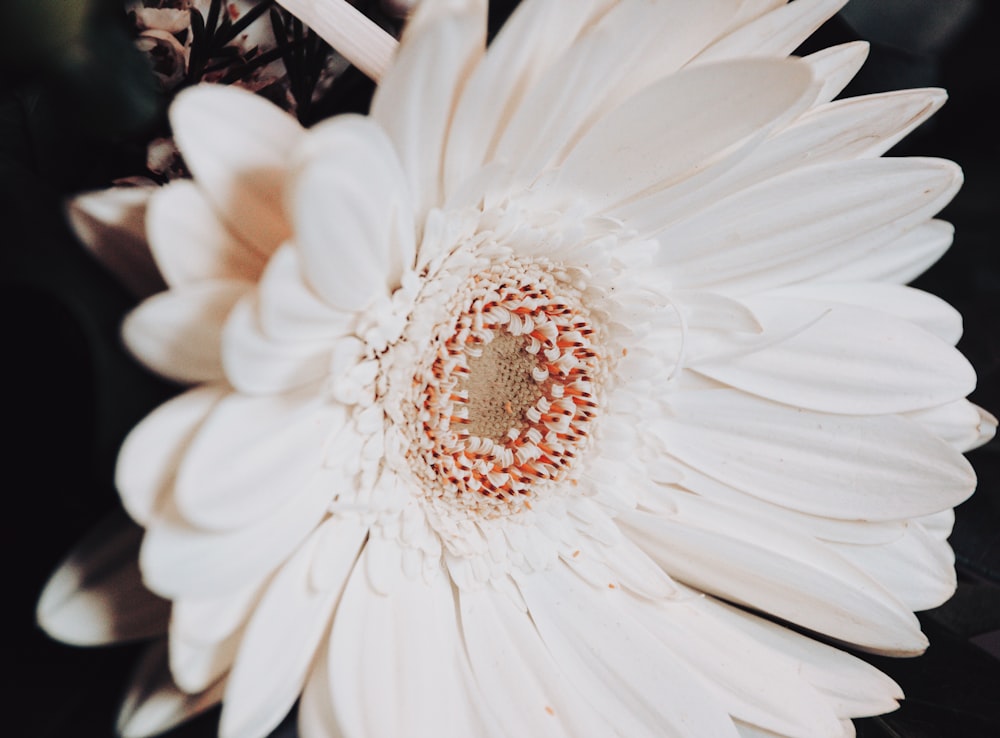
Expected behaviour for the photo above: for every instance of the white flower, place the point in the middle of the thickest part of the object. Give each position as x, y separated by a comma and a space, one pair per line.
502, 392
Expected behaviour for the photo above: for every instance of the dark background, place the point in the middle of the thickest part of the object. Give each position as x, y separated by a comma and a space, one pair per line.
76, 107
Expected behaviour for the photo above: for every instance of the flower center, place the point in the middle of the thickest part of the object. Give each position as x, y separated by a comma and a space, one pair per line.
507, 400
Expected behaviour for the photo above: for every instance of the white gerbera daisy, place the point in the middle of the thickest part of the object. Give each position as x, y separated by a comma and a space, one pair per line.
513, 398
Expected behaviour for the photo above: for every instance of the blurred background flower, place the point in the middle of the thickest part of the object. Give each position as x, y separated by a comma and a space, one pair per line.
80, 104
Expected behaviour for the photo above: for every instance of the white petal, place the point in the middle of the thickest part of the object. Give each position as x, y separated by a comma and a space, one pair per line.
252, 454
931, 313
237, 145
838, 466
858, 688
525, 687
534, 36
179, 560
753, 682
196, 666
851, 360
962, 424
585, 84
96, 595
153, 704
680, 125
256, 364
112, 225
835, 66
213, 618
776, 33
415, 99
917, 568
177, 333
191, 243
397, 663
282, 637
289, 310
617, 665
756, 562
353, 217
899, 261
316, 718
802, 224
148, 459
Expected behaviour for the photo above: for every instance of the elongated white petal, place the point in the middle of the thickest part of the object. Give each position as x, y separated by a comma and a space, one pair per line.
834, 67
397, 665
851, 360
923, 309
112, 225
524, 685
190, 241
616, 665
776, 33
917, 568
177, 333
148, 459
251, 455
180, 560
766, 566
353, 217
316, 718
153, 704
282, 637
416, 98
839, 466
849, 129
856, 687
535, 35
828, 214
96, 595
237, 146
960, 423
898, 261
680, 125
753, 682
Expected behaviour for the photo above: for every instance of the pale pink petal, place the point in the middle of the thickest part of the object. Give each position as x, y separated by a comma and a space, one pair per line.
178, 333
96, 595
195, 666
353, 216
154, 704
835, 66
256, 364
237, 145
112, 225
150, 454
179, 560
191, 243
252, 455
